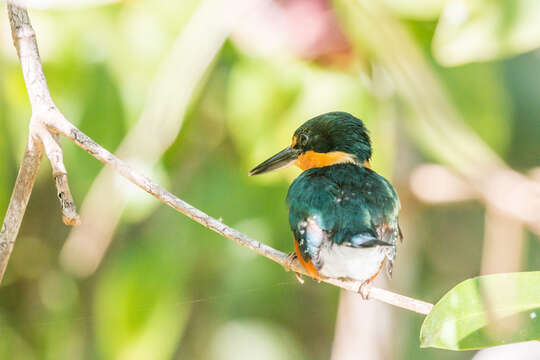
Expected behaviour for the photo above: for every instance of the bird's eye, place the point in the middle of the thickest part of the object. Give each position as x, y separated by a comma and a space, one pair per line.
303, 139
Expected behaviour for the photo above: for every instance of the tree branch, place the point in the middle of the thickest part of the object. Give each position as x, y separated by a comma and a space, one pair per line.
40, 140
47, 121
24, 39
18, 202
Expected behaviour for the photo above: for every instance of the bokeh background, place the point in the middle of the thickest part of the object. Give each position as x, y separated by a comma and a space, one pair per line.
194, 94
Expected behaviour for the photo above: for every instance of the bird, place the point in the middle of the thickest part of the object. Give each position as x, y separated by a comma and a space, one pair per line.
342, 214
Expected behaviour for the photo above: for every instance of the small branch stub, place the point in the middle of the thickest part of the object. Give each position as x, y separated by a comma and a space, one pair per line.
69, 211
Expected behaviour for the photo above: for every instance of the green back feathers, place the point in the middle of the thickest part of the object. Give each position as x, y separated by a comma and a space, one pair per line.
352, 204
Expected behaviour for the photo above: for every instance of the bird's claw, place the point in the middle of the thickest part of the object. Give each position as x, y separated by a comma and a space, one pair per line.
364, 289
290, 259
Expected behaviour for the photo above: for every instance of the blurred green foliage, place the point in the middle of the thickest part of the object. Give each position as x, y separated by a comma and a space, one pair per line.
485, 311
481, 30
169, 288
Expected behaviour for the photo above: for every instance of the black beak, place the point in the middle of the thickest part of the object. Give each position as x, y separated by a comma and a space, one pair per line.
282, 159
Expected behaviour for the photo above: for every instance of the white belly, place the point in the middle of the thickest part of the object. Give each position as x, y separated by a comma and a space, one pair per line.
359, 264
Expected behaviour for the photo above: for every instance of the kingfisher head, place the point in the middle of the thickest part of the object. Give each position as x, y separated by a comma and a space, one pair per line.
327, 139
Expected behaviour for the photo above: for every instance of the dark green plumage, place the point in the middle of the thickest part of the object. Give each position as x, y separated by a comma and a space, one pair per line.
335, 131
353, 205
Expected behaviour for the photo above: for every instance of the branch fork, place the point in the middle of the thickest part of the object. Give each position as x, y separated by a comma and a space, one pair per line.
44, 111
41, 139
42, 131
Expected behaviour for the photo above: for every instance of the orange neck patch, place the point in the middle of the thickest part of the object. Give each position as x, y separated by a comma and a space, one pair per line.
312, 159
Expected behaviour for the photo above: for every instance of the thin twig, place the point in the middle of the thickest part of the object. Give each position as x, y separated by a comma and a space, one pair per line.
18, 202
56, 123
53, 150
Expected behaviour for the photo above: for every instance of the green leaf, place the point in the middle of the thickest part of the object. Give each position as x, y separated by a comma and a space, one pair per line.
485, 311
482, 30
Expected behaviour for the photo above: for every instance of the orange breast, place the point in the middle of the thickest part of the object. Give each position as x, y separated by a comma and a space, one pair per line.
312, 159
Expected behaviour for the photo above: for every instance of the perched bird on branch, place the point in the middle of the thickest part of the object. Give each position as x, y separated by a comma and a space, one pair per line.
343, 215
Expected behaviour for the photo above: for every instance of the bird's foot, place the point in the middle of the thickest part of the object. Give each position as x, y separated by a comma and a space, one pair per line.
365, 288
290, 259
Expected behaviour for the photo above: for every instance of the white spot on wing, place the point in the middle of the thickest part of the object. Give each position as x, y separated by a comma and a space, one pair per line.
315, 235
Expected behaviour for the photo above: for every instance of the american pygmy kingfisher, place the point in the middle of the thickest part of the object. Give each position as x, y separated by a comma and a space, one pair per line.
343, 215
